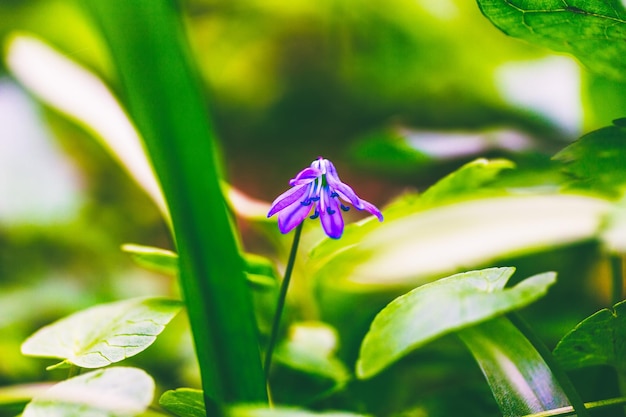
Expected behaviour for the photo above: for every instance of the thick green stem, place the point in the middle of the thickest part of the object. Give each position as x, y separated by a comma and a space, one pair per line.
162, 92
280, 303
555, 367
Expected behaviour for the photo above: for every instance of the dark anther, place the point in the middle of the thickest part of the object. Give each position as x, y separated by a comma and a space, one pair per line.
306, 202
330, 211
345, 208
315, 215
315, 199
334, 194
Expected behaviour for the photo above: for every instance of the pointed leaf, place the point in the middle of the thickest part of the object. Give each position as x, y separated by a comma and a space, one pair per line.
521, 381
469, 180
184, 402
260, 271
596, 161
592, 30
441, 307
112, 392
104, 334
600, 339
156, 259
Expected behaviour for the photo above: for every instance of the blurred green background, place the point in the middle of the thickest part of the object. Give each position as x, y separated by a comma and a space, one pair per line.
397, 94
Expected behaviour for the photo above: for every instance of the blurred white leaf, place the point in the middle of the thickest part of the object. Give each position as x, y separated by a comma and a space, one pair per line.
111, 392
76, 92
415, 246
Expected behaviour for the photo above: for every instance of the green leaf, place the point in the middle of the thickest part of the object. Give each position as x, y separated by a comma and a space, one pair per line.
472, 180
597, 160
310, 347
156, 259
104, 334
600, 339
184, 402
416, 247
256, 411
520, 380
469, 180
112, 392
260, 271
163, 95
444, 306
592, 30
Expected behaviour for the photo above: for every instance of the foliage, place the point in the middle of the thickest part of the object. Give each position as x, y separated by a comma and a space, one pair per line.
104, 334
446, 305
591, 30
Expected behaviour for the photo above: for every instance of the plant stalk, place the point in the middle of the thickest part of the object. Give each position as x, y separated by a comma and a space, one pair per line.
280, 303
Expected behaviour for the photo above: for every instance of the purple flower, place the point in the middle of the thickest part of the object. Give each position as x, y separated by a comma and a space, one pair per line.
318, 188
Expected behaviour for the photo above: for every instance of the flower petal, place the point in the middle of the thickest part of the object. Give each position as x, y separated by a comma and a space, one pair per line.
347, 194
291, 196
367, 206
305, 176
344, 190
292, 216
331, 218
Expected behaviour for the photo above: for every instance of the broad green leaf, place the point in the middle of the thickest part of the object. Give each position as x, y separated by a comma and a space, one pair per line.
111, 392
600, 339
257, 411
418, 246
184, 402
260, 271
520, 380
104, 334
597, 160
442, 307
592, 30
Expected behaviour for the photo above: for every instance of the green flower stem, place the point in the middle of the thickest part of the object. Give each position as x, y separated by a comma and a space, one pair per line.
280, 303
555, 367
162, 92
617, 279
569, 411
